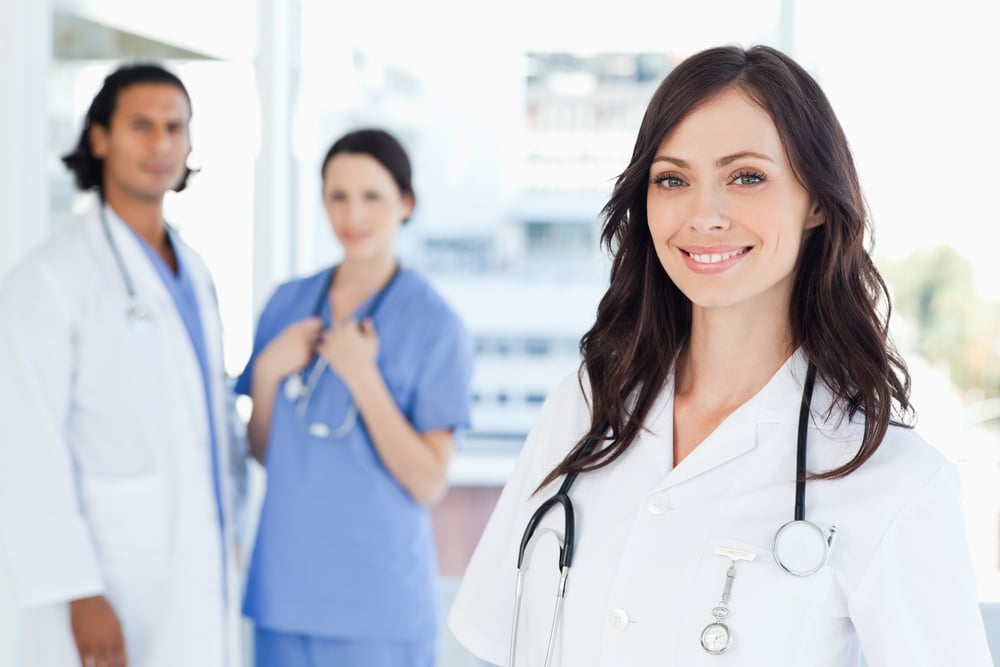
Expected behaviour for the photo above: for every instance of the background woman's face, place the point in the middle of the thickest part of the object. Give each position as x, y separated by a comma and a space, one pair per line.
364, 204
726, 214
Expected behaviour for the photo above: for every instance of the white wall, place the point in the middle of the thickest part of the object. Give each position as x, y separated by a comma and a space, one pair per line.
25, 47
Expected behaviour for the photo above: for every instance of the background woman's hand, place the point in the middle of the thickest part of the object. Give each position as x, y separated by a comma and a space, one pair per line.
97, 633
291, 350
350, 348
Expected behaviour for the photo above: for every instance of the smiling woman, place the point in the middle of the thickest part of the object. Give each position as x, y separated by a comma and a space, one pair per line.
724, 201
739, 357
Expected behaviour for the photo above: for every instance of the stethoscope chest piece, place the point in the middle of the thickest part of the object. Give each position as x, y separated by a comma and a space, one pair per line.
294, 387
800, 547
139, 315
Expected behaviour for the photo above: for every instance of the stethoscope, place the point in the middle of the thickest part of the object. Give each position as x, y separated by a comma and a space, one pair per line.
299, 387
799, 547
138, 314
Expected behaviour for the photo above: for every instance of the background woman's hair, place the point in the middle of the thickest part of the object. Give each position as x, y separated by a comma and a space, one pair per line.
381, 146
840, 306
88, 171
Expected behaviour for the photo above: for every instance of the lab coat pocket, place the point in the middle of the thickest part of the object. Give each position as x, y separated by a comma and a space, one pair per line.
129, 523
761, 585
766, 610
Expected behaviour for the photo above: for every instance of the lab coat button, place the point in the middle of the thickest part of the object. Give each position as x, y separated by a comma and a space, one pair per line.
658, 504
618, 619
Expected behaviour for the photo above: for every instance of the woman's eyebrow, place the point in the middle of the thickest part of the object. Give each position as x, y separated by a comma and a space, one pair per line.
721, 162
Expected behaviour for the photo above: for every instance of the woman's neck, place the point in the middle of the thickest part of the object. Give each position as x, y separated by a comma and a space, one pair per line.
730, 355
356, 280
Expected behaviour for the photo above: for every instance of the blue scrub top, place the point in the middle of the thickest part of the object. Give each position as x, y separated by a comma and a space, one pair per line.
342, 550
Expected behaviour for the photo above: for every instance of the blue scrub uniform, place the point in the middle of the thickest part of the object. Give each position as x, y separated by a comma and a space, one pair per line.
344, 563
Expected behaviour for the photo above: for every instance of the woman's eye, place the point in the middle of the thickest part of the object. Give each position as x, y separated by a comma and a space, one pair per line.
749, 178
668, 181
335, 196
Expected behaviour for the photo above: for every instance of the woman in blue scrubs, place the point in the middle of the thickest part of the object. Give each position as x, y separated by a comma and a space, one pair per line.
360, 378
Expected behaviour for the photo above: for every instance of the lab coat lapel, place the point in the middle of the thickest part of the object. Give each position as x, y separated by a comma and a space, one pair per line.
778, 402
735, 436
656, 439
208, 304
150, 289
228, 455
208, 310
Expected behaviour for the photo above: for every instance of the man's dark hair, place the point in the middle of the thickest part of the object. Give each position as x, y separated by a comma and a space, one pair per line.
88, 171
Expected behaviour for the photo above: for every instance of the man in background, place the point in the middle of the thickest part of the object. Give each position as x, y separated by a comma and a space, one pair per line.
118, 464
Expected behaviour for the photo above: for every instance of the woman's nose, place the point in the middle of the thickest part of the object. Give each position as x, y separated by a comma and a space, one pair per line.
709, 212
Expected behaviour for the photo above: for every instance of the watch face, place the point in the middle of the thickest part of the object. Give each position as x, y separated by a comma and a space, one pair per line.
715, 638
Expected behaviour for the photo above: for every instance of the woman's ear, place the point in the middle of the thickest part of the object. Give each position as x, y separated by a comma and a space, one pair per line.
409, 203
816, 216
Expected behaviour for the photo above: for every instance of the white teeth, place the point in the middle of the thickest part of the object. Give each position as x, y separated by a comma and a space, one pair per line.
715, 258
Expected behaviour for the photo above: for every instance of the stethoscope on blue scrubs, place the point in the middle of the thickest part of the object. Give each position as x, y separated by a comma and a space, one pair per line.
800, 547
139, 315
299, 387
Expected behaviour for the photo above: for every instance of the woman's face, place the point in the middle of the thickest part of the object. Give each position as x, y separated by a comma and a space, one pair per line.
726, 214
364, 204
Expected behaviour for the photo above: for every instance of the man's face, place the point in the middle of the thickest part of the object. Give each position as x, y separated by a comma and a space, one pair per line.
146, 145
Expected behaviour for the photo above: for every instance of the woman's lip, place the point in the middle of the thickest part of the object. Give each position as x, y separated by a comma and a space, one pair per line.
354, 237
159, 169
713, 259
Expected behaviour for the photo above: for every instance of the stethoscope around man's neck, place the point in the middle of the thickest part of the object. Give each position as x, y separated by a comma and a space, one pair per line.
800, 547
138, 314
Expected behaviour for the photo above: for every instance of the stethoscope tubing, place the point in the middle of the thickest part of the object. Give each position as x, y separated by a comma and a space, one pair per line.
309, 377
116, 252
561, 498
801, 471
566, 549
138, 314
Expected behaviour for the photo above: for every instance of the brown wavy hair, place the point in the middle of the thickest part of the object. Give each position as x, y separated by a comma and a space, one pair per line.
840, 306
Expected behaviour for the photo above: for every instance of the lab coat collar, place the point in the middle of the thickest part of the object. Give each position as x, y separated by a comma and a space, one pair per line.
777, 402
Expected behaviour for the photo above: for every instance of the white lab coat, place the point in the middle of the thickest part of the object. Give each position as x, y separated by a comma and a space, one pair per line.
899, 584
105, 469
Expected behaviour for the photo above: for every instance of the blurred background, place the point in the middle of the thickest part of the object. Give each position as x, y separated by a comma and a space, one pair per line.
518, 118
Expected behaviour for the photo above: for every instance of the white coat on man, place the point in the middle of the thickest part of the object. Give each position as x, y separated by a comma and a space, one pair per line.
106, 483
